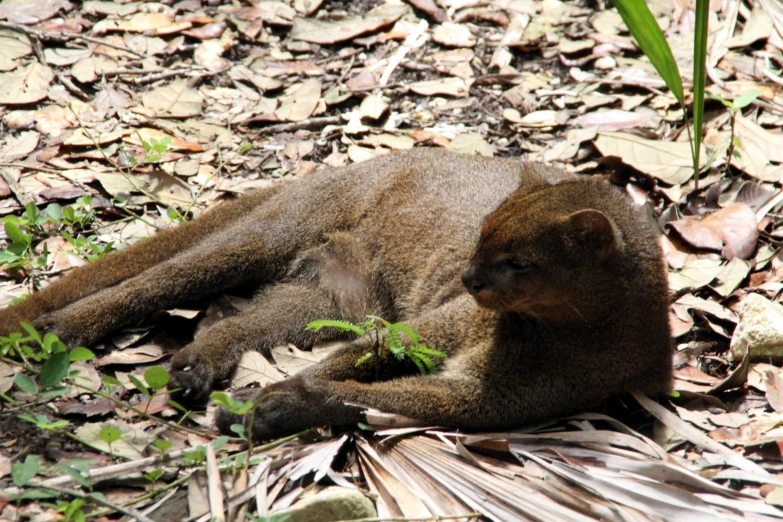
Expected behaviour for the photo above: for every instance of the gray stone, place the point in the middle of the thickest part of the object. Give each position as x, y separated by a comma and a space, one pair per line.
332, 504
760, 330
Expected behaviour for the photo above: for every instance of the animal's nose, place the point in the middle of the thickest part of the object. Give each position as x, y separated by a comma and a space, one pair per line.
472, 281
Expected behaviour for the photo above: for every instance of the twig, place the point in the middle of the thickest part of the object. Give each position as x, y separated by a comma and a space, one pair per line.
299, 125
153, 77
135, 465
128, 512
412, 41
36, 41
65, 37
416, 519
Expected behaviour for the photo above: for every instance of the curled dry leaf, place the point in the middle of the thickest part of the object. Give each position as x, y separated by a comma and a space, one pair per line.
329, 32
732, 230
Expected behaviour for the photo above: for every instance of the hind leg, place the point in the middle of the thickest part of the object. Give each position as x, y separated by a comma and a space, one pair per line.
332, 281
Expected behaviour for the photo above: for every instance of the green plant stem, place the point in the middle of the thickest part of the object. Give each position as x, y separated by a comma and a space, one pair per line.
699, 80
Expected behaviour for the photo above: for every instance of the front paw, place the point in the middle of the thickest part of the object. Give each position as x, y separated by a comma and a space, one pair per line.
283, 409
193, 375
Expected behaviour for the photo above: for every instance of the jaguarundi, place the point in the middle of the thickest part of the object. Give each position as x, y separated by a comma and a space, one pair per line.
547, 291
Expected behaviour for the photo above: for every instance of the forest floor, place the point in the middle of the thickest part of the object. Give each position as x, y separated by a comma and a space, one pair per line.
118, 119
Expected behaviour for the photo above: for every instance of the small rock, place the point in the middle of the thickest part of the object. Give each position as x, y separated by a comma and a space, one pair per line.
760, 330
330, 505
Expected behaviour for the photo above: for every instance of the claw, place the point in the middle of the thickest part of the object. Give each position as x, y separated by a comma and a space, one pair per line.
186, 392
187, 368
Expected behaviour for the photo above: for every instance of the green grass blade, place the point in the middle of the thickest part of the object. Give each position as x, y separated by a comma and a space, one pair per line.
699, 79
648, 35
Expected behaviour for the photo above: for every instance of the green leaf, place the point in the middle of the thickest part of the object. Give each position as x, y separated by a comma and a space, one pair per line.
23, 472
420, 348
54, 370
156, 377
25, 383
162, 444
139, 385
31, 332
111, 381
746, 99
699, 79
16, 235
80, 354
408, 330
343, 326
652, 42
109, 434
364, 358
54, 211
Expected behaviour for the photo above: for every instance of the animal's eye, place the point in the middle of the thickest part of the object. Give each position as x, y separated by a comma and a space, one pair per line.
515, 264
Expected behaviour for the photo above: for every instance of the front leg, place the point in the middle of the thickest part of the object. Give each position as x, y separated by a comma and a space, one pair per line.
298, 403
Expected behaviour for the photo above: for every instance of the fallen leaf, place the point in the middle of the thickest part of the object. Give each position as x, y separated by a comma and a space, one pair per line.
174, 99
453, 35
25, 85
470, 143
670, 162
254, 368
329, 32
373, 107
611, 120
758, 27
29, 12
13, 45
448, 86
731, 230
301, 104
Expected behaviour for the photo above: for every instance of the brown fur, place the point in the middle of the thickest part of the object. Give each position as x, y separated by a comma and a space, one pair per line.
570, 281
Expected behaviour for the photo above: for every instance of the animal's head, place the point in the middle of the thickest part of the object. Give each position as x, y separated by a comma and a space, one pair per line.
549, 254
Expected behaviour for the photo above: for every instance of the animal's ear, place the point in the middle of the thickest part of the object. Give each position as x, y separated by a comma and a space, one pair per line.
596, 231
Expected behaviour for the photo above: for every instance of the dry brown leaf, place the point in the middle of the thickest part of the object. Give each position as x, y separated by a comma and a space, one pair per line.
758, 27
19, 146
329, 32
29, 12
670, 162
448, 86
144, 22
470, 143
254, 368
209, 53
25, 85
13, 45
453, 35
373, 107
135, 356
174, 99
87, 70
731, 230
611, 120
301, 104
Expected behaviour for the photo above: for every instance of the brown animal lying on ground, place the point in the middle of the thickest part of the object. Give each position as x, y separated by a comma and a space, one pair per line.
546, 291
